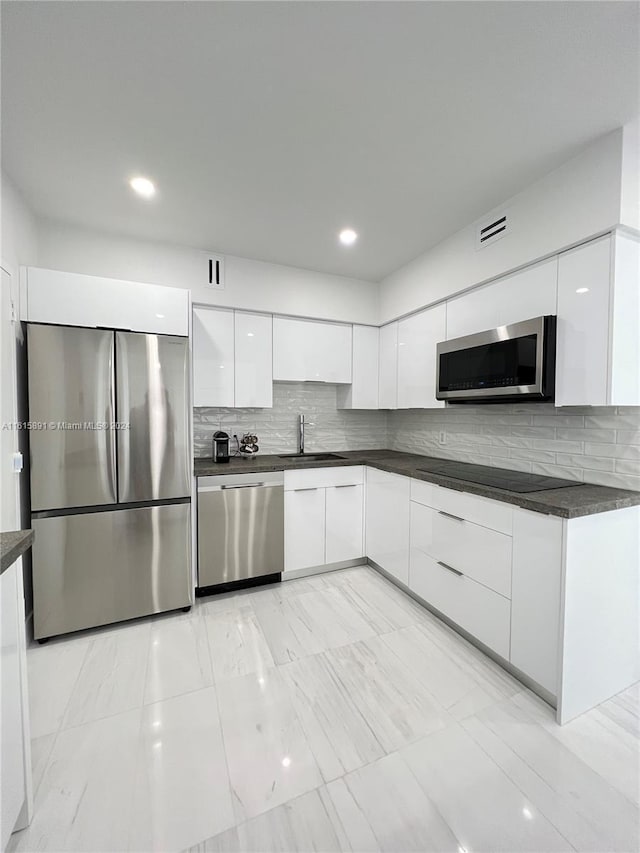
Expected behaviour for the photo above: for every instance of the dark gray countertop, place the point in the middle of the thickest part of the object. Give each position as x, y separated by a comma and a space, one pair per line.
12, 546
573, 502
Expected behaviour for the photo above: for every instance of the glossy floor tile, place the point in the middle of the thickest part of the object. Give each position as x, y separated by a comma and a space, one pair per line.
178, 658
237, 645
329, 713
181, 792
268, 756
112, 677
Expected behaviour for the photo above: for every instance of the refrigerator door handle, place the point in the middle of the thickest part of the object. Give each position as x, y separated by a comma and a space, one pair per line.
111, 429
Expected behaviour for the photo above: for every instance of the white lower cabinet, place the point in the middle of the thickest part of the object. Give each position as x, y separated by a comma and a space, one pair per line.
323, 516
535, 596
464, 571
387, 522
477, 552
481, 612
344, 523
304, 528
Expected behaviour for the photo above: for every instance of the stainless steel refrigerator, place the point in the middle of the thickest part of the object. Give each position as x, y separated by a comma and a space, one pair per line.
110, 475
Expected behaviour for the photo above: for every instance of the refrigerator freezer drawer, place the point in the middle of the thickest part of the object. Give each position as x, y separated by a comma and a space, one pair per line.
96, 568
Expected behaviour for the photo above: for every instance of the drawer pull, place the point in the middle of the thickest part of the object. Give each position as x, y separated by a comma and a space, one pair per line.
308, 489
448, 515
346, 486
449, 568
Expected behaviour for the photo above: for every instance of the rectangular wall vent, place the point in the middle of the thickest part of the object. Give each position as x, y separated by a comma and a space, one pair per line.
492, 229
214, 270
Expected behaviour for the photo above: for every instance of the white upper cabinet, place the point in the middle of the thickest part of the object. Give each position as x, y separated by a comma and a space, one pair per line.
417, 339
388, 367
363, 391
213, 357
598, 355
70, 299
311, 351
253, 360
521, 296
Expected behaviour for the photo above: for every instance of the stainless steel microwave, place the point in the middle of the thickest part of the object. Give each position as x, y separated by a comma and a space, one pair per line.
515, 362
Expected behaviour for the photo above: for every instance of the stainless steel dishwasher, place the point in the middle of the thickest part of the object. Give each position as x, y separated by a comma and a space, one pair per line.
240, 528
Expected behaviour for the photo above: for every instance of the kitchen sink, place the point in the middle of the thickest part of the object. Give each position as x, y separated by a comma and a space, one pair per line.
311, 457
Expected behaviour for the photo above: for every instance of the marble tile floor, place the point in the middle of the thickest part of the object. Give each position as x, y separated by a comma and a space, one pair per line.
329, 713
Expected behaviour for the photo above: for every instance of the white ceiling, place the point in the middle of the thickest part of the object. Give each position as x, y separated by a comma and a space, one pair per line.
269, 126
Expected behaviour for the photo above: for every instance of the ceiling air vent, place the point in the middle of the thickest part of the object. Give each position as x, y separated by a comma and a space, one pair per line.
215, 270
491, 229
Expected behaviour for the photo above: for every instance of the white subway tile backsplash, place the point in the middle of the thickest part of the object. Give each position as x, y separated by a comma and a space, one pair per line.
608, 435
562, 446
619, 451
628, 436
328, 428
593, 463
628, 466
596, 445
533, 455
615, 421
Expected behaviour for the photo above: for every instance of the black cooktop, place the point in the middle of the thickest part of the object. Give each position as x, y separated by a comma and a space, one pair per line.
498, 478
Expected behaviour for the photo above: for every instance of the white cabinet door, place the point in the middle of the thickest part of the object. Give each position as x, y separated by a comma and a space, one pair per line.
625, 346
12, 742
253, 360
71, 299
311, 351
304, 528
388, 368
535, 596
521, 296
363, 391
582, 360
213, 357
344, 523
417, 339
387, 522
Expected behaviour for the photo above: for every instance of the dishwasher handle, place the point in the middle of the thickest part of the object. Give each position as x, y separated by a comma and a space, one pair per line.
243, 486
238, 486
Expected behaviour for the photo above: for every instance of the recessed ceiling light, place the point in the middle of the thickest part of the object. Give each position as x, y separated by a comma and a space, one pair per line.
143, 187
582, 290
348, 236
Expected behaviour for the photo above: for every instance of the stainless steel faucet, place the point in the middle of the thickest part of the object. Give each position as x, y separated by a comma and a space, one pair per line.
300, 433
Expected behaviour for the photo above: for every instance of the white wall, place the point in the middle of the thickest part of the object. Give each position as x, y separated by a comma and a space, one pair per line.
250, 284
19, 230
630, 201
578, 200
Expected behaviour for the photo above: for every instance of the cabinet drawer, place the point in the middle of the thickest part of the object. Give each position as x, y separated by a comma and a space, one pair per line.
422, 492
481, 612
322, 478
478, 552
488, 513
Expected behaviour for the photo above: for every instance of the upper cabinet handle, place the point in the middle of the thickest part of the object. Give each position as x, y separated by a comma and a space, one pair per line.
448, 515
